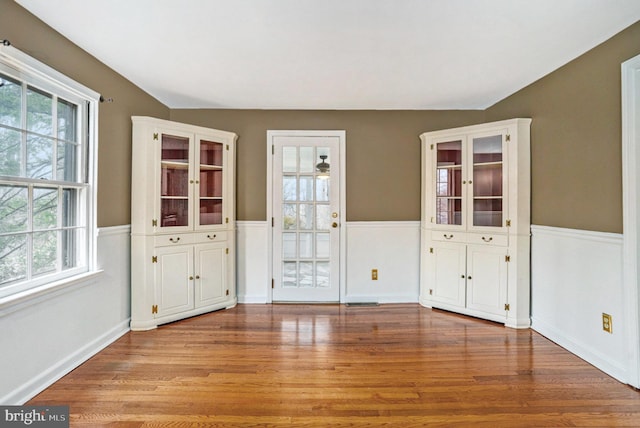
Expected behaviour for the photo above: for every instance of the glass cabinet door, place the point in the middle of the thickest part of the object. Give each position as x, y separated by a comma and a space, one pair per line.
174, 181
449, 182
487, 181
210, 173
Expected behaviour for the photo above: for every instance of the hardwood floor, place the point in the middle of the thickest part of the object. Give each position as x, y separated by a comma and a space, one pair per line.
331, 365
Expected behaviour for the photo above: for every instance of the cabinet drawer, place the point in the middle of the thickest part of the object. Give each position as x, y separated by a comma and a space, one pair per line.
488, 239
203, 237
177, 239
449, 236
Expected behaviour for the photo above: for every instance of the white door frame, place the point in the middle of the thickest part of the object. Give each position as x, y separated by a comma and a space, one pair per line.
342, 137
631, 213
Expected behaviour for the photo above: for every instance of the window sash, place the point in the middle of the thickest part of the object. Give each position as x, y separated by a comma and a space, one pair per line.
73, 129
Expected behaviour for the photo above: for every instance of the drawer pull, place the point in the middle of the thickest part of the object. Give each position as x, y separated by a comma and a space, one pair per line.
174, 240
448, 236
489, 239
211, 237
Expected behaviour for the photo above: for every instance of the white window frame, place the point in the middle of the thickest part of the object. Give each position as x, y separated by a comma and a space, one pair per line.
21, 66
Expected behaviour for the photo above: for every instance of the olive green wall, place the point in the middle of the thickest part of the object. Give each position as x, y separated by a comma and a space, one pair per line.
576, 149
576, 135
382, 154
30, 35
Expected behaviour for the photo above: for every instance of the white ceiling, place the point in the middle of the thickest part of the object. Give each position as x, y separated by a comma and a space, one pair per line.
334, 54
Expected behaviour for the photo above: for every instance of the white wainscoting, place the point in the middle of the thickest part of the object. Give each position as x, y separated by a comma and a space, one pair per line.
45, 338
391, 247
252, 261
576, 276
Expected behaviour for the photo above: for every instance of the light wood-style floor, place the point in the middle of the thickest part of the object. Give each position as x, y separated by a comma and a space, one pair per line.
337, 366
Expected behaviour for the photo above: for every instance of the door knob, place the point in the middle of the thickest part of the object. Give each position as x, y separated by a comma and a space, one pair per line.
334, 224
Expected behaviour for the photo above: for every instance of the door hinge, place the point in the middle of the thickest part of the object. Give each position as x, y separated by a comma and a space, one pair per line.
507, 258
506, 306
155, 135
154, 259
508, 223
154, 223
272, 222
432, 147
154, 309
508, 137
227, 251
227, 147
227, 292
431, 250
431, 219
273, 283
226, 220
431, 292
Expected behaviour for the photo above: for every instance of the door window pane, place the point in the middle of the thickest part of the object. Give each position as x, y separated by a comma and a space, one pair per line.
175, 149
322, 189
487, 212
306, 188
323, 246
323, 216
307, 160
289, 274
306, 216
289, 245
306, 245
322, 274
305, 275
289, 159
289, 216
289, 188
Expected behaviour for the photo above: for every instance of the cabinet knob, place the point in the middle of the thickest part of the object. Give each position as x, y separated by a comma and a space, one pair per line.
197, 276
334, 224
448, 236
211, 237
191, 181
489, 239
190, 278
174, 240
469, 277
462, 276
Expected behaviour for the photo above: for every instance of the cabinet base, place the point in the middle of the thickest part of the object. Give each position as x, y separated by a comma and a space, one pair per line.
150, 324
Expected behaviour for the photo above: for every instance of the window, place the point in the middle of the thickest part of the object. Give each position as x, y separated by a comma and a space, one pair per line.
47, 171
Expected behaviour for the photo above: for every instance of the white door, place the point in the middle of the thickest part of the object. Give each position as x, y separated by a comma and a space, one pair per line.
447, 269
306, 217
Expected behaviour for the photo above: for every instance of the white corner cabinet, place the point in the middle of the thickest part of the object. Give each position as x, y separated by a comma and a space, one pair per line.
182, 221
475, 221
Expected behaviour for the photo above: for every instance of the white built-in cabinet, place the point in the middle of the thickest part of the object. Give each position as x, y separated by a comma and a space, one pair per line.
182, 221
475, 222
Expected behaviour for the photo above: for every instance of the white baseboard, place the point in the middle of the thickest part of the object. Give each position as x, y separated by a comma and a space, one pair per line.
58, 370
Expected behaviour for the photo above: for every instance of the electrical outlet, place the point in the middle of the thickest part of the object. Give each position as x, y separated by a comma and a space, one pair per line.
374, 274
606, 323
